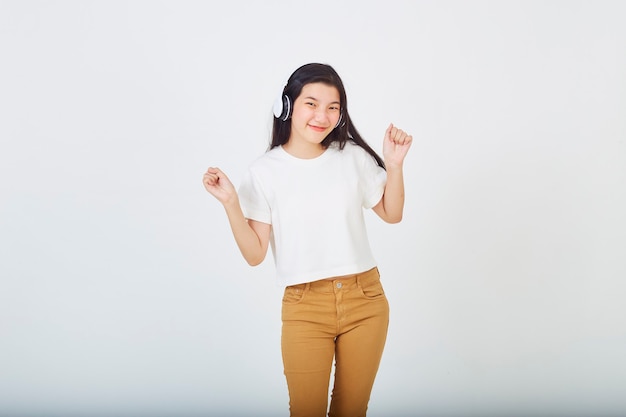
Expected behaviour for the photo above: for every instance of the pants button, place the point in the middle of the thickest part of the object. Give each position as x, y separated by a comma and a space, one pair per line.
339, 285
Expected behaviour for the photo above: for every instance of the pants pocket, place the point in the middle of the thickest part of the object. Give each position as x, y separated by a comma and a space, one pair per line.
294, 294
372, 290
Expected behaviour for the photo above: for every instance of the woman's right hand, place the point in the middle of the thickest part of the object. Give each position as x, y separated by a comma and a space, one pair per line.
218, 184
252, 237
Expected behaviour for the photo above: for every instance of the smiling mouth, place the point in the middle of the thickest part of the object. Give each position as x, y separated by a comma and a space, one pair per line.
317, 128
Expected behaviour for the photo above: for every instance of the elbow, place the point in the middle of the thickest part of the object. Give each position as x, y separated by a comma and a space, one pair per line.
394, 219
255, 261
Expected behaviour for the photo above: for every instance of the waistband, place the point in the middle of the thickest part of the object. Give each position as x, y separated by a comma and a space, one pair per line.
344, 281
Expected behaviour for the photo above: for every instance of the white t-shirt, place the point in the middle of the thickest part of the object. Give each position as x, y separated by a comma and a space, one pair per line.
315, 207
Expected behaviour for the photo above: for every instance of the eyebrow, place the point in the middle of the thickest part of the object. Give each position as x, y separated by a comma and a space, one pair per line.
313, 98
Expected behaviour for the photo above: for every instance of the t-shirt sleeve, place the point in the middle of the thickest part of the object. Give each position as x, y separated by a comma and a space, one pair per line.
373, 180
253, 200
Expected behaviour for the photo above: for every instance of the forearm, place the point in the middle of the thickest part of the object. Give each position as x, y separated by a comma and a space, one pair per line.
393, 197
247, 239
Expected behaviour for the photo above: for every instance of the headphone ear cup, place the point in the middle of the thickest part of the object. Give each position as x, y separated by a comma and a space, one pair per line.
282, 108
339, 120
278, 107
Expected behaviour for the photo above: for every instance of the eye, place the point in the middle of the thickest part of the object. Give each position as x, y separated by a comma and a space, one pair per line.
310, 104
334, 108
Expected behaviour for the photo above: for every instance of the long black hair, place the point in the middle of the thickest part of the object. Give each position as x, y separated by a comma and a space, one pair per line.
321, 73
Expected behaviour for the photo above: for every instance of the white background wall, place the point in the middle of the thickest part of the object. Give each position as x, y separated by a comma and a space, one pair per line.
122, 292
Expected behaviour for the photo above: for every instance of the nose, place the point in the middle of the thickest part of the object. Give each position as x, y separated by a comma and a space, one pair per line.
321, 115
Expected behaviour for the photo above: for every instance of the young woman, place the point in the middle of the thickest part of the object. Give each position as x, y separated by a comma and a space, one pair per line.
305, 197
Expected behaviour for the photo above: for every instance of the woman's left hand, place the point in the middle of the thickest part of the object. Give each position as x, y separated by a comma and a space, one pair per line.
396, 145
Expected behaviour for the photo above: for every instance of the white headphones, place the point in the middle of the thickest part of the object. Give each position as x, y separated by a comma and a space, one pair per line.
283, 109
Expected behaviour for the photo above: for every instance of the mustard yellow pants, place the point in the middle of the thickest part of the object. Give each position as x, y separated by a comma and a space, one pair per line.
344, 318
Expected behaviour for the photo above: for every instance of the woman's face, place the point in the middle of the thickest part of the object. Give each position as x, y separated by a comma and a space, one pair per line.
315, 114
